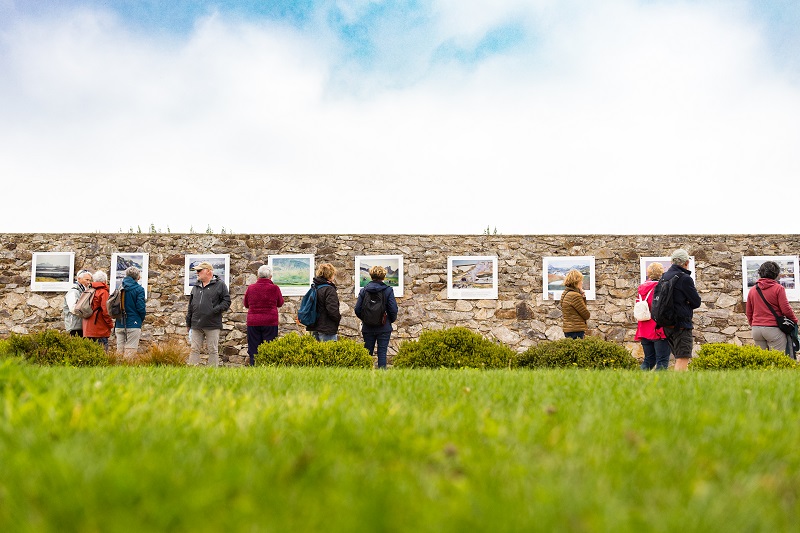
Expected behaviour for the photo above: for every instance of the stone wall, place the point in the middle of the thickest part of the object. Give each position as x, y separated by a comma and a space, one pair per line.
519, 317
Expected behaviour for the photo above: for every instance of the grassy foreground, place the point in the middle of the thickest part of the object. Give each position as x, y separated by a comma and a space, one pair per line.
264, 449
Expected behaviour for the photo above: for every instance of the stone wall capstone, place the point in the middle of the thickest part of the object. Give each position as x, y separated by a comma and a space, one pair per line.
519, 318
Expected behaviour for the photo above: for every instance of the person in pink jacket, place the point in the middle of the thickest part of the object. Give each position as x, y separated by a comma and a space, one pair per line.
654, 342
262, 300
766, 332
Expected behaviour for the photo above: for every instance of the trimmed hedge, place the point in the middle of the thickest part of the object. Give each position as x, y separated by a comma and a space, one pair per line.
56, 348
590, 352
452, 348
304, 350
722, 356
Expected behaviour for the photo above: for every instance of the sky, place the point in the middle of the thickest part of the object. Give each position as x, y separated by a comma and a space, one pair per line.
400, 117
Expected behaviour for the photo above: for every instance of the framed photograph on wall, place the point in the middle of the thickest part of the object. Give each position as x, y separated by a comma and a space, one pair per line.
472, 277
220, 262
120, 262
787, 277
52, 271
666, 262
293, 273
394, 271
555, 268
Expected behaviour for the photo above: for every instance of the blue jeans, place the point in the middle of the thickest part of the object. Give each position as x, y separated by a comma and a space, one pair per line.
322, 337
383, 345
575, 334
656, 354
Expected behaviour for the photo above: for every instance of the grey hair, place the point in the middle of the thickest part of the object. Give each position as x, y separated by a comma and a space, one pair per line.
265, 271
680, 256
82, 273
133, 272
100, 276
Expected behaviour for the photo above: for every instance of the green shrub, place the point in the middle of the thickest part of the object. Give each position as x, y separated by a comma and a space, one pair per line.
590, 352
57, 348
304, 350
452, 348
722, 356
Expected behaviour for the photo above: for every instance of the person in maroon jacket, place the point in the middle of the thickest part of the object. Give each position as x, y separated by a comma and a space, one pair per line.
262, 300
766, 332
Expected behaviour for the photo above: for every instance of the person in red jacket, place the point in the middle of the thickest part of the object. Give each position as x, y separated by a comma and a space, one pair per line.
262, 300
766, 332
654, 342
98, 326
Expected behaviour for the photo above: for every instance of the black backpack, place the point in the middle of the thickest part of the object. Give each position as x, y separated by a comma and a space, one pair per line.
373, 308
663, 309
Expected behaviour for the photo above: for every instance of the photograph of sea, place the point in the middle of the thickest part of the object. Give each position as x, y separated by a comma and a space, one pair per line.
52, 271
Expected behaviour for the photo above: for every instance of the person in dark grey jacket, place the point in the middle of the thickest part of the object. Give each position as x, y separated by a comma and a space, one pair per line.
209, 299
326, 328
685, 299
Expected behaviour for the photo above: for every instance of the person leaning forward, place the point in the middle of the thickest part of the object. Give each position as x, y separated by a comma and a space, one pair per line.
685, 299
208, 300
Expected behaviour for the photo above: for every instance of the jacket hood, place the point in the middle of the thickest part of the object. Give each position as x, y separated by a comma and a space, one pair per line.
766, 283
376, 286
319, 280
99, 285
129, 282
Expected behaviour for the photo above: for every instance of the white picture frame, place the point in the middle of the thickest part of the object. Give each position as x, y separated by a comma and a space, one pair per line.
122, 261
472, 277
666, 262
220, 262
394, 268
292, 273
52, 271
554, 268
788, 277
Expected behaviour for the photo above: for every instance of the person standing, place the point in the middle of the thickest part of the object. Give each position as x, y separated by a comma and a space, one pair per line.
573, 306
379, 333
326, 328
208, 300
765, 300
98, 326
262, 300
654, 342
72, 322
685, 299
128, 328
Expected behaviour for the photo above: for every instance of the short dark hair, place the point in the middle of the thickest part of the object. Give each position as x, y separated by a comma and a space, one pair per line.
769, 269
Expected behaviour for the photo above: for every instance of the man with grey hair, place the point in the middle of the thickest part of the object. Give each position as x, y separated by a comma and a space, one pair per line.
128, 327
685, 299
208, 300
72, 322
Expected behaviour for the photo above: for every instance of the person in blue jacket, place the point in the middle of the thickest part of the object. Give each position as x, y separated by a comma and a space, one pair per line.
382, 332
128, 328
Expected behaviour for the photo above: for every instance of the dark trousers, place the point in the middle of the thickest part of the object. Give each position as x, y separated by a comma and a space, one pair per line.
76, 332
575, 334
656, 354
255, 336
383, 345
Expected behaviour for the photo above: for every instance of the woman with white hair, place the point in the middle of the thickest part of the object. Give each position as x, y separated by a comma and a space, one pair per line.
98, 326
262, 300
129, 326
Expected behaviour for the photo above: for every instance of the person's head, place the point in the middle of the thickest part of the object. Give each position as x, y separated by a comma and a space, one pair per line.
133, 272
377, 273
265, 271
326, 270
84, 277
100, 276
769, 270
205, 271
574, 279
655, 271
680, 257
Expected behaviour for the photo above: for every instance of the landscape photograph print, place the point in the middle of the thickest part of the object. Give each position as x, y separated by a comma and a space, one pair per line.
787, 278
472, 277
394, 271
120, 262
666, 262
52, 271
220, 262
293, 273
555, 268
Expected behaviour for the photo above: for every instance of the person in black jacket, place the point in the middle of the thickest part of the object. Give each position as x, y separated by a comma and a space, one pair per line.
209, 299
685, 299
378, 333
326, 328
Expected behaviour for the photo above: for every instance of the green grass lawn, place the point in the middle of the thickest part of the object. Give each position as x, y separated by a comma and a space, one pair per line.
266, 449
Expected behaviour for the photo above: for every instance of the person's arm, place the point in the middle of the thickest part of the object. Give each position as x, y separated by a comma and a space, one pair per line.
748, 310
692, 296
72, 299
359, 303
783, 304
391, 306
279, 299
580, 306
225, 299
141, 305
332, 304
